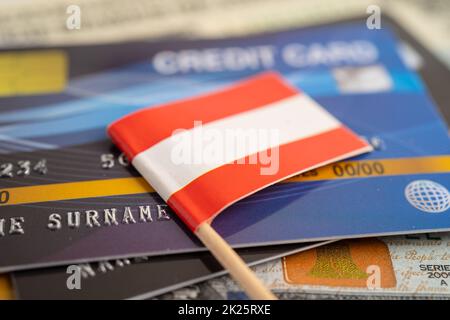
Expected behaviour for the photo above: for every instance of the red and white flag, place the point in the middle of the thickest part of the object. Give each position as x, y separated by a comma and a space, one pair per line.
205, 153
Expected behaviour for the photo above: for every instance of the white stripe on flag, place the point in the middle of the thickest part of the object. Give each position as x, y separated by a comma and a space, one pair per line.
294, 118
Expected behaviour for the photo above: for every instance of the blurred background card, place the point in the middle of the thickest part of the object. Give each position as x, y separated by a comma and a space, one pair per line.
137, 278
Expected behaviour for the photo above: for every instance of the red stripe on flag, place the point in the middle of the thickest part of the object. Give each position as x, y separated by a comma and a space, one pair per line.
194, 206
133, 134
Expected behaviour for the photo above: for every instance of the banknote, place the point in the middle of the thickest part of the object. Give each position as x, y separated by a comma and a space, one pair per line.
401, 267
43, 23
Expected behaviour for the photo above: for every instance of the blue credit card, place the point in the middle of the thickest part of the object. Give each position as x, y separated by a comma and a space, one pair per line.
321, 62
400, 187
355, 73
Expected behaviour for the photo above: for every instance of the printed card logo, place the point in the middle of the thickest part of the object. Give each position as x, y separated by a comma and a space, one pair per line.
428, 196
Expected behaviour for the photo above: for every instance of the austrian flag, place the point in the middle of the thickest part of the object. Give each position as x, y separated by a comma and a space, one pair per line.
203, 154
299, 135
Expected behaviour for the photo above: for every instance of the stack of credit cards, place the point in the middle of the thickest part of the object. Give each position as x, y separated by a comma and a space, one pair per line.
69, 197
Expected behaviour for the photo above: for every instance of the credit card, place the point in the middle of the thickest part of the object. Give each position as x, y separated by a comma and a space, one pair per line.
64, 181
137, 278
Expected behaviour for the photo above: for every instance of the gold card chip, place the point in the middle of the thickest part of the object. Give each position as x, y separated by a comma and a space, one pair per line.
32, 72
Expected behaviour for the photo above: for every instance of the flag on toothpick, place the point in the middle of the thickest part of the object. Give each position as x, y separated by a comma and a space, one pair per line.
205, 153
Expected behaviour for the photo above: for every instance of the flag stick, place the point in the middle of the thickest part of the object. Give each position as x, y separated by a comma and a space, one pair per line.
231, 261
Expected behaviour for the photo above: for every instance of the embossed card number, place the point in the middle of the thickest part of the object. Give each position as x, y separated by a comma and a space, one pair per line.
23, 168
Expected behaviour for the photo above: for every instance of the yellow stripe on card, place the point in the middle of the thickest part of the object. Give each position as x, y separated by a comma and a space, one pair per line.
129, 186
74, 190
32, 72
376, 168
